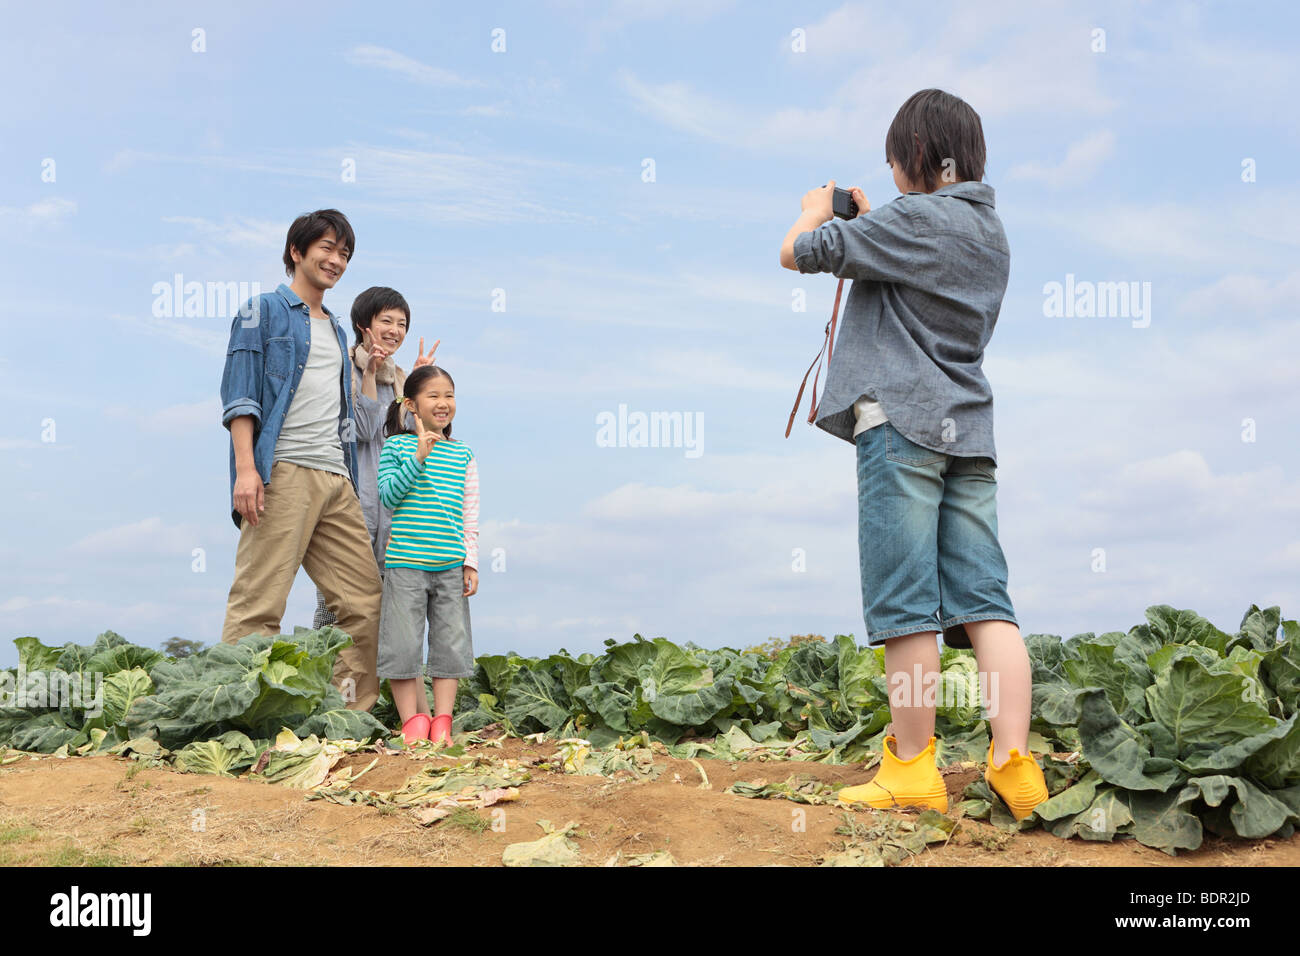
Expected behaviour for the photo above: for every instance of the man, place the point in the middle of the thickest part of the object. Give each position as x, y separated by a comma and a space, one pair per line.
287, 400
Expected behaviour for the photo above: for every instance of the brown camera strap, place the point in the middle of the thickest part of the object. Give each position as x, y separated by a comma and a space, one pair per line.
827, 346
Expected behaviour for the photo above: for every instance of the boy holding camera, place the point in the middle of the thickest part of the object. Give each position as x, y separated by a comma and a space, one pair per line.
905, 386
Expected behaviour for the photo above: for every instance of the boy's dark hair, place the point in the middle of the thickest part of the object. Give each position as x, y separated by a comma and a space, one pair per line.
933, 126
415, 382
309, 227
376, 299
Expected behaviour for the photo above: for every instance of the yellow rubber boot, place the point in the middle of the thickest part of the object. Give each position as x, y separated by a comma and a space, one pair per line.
1019, 782
902, 783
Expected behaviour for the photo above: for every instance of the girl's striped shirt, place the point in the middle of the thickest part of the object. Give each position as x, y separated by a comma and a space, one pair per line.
435, 505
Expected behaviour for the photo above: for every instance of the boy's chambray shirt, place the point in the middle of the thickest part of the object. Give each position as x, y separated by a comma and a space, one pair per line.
929, 273
264, 361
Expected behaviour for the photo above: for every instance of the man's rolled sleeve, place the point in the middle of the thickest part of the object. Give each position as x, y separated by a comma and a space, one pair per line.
240, 407
884, 245
241, 379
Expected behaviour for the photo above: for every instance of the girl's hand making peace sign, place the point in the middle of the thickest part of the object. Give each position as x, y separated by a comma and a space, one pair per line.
425, 359
426, 439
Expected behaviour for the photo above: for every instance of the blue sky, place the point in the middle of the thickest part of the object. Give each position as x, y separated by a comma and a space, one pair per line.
522, 171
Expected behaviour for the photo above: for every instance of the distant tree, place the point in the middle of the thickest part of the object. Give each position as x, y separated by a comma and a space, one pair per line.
179, 647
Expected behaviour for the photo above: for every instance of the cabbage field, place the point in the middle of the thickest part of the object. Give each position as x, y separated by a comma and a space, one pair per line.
1160, 733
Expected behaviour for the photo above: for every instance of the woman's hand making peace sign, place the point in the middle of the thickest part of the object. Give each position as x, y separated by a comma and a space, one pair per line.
425, 359
376, 352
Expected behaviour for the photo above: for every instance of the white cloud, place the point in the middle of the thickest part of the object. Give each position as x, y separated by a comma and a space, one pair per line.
383, 58
1015, 58
452, 187
43, 213
1163, 229
1147, 494
1242, 294
1253, 233
1082, 159
173, 419
56, 619
147, 538
152, 328
239, 232
605, 19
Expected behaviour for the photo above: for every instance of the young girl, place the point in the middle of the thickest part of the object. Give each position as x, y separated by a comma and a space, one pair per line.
380, 319
430, 480
905, 385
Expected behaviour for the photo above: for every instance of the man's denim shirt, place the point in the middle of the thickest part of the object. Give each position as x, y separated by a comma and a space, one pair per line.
929, 273
269, 343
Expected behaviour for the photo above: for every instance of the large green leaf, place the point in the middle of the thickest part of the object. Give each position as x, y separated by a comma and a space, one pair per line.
1276, 763
1254, 813
858, 672
1106, 816
1118, 752
1162, 820
220, 756
811, 675
290, 685
1159, 739
1046, 656
1280, 752
1072, 801
1163, 658
46, 733
955, 745
960, 694
536, 700
777, 700
341, 724
1132, 652
615, 706
1171, 626
499, 670
1279, 668
258, 685
1057, 702
35, 656
572, 673
119, 691
110, 652
1096, 666
674, 686
1202, 708
1258, 629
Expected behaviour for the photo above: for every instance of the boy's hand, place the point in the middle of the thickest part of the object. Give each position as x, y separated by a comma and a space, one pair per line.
471, 581
426, 439
425, 359
819, 203
860, 198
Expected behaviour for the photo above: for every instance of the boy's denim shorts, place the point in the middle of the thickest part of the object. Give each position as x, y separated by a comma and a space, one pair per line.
927, 540
412, 596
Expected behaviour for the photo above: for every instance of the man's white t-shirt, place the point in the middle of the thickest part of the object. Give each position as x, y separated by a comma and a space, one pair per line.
869, 414
310, 434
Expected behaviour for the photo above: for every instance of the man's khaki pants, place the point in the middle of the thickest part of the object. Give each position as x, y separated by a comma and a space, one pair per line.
312, 519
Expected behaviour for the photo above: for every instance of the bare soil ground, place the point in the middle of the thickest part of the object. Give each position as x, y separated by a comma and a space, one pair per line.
110, 811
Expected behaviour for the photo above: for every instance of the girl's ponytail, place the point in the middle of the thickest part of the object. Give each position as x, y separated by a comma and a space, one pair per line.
395, 423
